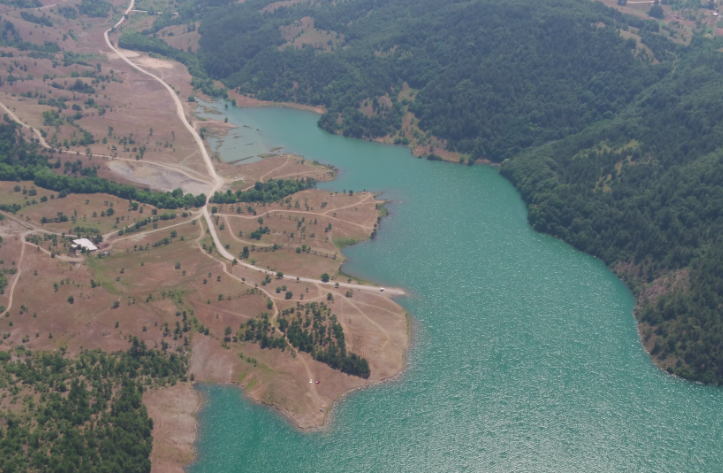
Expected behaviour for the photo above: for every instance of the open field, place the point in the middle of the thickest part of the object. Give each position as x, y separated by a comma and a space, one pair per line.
282, 166
304, 235
181, 36
130, 122
303, 33
162, 286
679, 24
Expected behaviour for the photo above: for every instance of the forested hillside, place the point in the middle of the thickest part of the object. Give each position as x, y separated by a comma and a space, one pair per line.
99, 425
534, 68
610, 129
644, 192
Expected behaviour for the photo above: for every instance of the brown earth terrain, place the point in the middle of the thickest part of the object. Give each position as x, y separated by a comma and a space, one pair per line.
179, 280
285, 3
181, 36
251, 102
303, 32
173, 410
680, 24
147, 280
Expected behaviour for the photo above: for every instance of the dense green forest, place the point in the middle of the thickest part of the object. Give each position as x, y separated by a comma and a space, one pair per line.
310, 328
644, 193
614, 142
269, 191
314, 329
83, 413
94, 8
533, 68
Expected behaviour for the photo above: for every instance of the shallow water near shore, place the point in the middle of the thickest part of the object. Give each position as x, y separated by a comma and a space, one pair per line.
525, 354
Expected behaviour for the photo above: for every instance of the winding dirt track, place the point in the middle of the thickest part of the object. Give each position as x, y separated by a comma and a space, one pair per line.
17, 275
30, 229
15, 117
218, 181
273, 299
45, 144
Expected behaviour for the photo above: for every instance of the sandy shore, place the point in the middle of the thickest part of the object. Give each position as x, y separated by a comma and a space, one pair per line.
249, 102
173, 411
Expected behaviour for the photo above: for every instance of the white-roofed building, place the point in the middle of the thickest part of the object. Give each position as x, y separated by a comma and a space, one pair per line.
85, 244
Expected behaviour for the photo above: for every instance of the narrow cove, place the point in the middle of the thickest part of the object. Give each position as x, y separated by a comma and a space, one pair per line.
525, 355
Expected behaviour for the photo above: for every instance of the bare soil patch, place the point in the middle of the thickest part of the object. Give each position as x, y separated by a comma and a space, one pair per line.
303, 32
179, 37
285, 3
252, 102
157, 178
173, 410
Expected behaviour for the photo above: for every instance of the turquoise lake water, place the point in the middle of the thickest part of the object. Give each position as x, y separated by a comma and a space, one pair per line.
525, 355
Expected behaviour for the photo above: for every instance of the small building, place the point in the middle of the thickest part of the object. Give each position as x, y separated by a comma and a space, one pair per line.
85, 244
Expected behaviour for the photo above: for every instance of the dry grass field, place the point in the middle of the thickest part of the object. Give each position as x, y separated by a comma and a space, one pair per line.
137, 136
303, 32
179, 36
162, 286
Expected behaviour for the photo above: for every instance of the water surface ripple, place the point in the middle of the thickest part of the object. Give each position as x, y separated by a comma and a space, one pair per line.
525, 357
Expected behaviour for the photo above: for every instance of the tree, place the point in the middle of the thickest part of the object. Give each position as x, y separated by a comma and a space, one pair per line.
324, 277
656, 11
92, 428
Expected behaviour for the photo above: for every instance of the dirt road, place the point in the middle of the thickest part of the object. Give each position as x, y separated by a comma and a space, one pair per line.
217, 181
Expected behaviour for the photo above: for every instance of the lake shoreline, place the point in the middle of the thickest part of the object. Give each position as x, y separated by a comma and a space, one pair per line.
522, 320
243, 101
174, 411
245, 385
283, 415
453, 158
